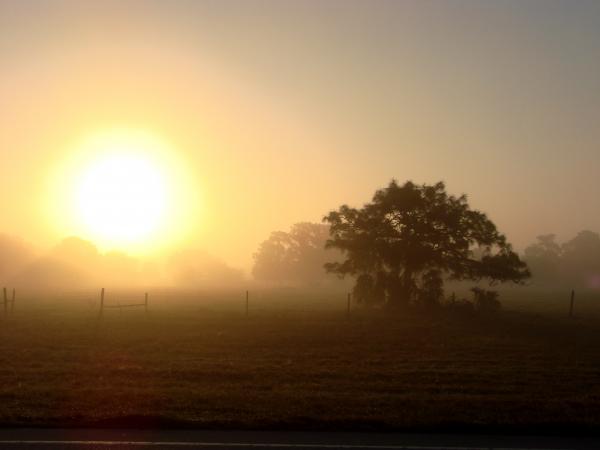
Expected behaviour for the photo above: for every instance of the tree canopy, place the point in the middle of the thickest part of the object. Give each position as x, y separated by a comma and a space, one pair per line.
409, 237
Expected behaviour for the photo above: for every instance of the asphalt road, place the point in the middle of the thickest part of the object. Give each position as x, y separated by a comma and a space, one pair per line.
53, 439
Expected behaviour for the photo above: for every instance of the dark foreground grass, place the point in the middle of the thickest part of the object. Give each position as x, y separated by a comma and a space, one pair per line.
317, 370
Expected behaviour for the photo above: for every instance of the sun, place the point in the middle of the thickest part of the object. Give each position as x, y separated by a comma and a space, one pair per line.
123, 196
126, 190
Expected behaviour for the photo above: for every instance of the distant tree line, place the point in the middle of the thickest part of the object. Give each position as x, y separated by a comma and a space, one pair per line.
75, 263
398, 249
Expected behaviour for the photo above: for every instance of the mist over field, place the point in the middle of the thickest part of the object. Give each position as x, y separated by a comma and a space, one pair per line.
288, 263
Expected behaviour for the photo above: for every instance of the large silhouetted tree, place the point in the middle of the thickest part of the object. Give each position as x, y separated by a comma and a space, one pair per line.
409, 237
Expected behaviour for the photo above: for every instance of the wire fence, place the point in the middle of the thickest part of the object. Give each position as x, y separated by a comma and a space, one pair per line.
101, 301
248, 302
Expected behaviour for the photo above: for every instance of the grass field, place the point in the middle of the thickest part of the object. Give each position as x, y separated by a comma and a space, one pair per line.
189, 365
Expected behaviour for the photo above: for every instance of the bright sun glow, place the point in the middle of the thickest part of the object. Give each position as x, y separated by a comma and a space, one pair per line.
125, 190
123, 197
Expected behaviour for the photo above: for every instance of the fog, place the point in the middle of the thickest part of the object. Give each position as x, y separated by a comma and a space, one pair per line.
200, 145
74, 264
293, 259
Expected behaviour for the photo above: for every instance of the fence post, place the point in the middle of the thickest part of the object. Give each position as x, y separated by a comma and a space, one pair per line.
146, 302
5, 303
12, 304
101, 301
572, 302
349, 297
247, 302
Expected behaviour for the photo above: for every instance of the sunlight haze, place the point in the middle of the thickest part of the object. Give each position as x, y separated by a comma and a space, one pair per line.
254, 116
124, 189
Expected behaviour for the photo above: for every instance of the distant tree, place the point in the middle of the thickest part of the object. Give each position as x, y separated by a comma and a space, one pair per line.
47, 272
574, 264
78, 252
198, 268
294, 257
14, 255
409, 235
581, 259
544, 259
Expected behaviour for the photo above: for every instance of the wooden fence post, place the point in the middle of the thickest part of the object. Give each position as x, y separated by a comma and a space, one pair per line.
572, 303
101, 301
5, 302
247, 303
12, 304
146, 302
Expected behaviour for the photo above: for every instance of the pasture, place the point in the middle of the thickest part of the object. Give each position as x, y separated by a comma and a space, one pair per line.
292, 364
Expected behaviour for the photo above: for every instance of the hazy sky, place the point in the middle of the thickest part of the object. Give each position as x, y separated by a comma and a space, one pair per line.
282, 111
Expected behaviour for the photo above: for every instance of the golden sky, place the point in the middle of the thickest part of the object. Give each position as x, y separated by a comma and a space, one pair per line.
264, 114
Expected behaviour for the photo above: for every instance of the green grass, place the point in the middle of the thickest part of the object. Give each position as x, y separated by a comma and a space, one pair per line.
191, 366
